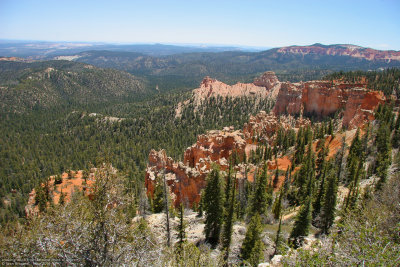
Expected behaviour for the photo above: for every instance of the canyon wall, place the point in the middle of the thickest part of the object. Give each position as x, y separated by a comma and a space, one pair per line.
186, 179
265, 86
317, 98
324, 98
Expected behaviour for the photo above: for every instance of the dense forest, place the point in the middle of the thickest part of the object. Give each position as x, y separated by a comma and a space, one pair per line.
46, 142
228, 65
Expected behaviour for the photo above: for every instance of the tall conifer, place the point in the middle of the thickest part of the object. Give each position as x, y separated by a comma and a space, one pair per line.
213, 207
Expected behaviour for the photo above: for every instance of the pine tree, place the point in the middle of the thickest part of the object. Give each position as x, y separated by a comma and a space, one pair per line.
330, 128
276, 177
301, 225
227, 232
253, 246
228, 190
396, 138
357, 171
383, 158
62, 198
158, 197
355, 159
277, 207
261, 197
201, 204
339, 159
305, 178
317, 203
329, 206
181, 230
278, 238
213, 207
321, 158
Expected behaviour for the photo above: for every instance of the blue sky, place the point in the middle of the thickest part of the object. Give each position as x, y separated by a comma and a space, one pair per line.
370, 23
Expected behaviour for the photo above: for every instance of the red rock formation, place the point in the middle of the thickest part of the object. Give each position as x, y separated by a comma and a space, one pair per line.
215, 146
186, 179
342, 50
265, 86
288, 99
69, 184
324, 98
267, 80
214, 88
263, 126
360, 105
184, 183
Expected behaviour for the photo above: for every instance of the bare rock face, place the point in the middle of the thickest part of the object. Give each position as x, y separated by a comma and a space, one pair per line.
265, 86
263, 126
215, 146
69, 183
186, 179
214, 88
323, 98
267, 80
184, 182
289, 99
360, 106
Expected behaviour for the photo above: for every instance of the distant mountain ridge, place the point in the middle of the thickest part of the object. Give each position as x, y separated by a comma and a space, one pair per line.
47, 50
230, 65
342, 50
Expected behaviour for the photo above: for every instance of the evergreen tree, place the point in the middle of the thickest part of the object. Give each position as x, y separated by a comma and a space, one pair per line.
383, 158
321, 158
329, 206
228, 190
339, 159
228, 226
213, 207
396, 138
305, 178
277, 207
261, 198
276, 177
62, 198
319, 198
352, 197
301, 225
201, 204
330, 128
181, 229
158, 197
357, 171
278, 238
252, 247
286, 183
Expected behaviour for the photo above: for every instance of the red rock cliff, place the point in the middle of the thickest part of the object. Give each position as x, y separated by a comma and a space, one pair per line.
265, 86
263, 126
186, 179
322, 98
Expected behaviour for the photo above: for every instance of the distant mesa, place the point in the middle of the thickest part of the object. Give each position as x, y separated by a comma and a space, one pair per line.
342, 50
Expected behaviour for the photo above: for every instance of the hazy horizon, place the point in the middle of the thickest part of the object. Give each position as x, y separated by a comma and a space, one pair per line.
260, 24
